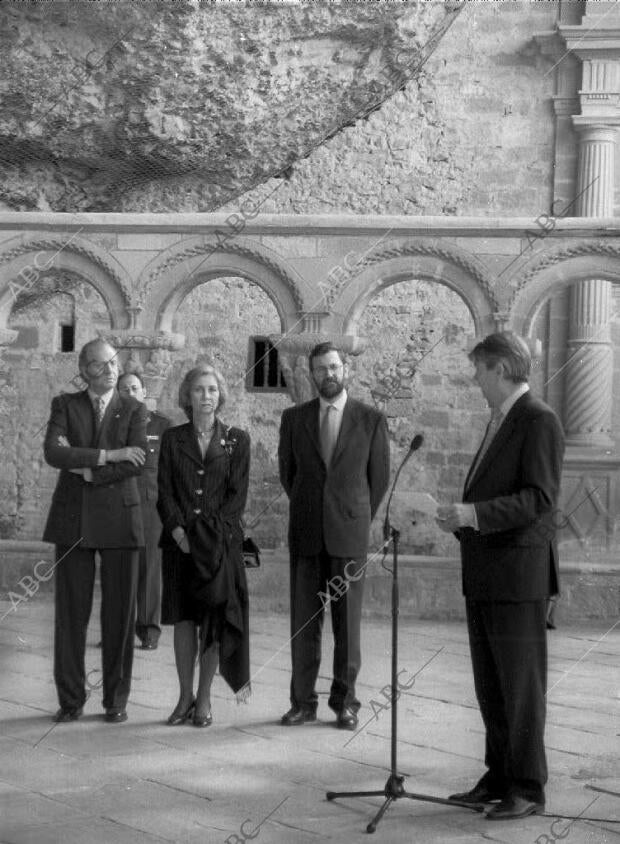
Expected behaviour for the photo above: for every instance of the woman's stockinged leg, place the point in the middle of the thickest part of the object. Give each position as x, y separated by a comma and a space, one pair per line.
185, 650
207, 668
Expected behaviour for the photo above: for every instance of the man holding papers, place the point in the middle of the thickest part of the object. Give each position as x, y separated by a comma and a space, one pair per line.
510, 568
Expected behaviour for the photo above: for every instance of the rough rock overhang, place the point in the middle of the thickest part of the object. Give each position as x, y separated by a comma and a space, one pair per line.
97, 101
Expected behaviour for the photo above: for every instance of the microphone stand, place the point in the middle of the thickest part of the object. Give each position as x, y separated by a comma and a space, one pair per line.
394, 788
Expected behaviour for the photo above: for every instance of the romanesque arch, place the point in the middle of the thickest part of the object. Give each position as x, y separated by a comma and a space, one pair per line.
167, 280
555, 269
430, 260
23, 261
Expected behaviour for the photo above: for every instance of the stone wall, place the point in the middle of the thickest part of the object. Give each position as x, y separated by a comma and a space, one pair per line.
418, 334
473, 134
162, 106
110, 107
406, 297
415, 331
36, 370
218, 318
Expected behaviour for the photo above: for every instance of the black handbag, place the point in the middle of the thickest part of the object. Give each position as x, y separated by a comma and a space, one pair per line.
251, 553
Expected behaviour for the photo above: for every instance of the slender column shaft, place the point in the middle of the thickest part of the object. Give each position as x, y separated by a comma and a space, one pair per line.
589, 369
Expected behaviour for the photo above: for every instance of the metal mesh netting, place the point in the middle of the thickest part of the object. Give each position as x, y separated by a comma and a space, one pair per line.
130, 106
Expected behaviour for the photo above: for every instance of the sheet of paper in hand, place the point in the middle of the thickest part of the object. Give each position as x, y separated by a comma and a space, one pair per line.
423, 502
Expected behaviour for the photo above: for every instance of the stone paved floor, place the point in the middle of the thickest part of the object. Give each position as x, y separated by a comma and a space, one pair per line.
246, 778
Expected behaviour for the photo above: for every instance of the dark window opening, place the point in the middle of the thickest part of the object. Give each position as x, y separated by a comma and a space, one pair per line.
67, 338
264, 373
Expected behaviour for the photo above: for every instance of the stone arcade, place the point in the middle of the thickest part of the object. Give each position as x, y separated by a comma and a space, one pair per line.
552, 279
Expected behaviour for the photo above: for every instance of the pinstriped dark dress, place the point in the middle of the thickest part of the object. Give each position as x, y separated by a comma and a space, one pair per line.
188, 486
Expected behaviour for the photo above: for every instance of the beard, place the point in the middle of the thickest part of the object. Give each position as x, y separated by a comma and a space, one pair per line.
330, 388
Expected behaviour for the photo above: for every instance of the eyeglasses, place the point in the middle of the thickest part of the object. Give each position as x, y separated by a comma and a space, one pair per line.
324, 370
95, 368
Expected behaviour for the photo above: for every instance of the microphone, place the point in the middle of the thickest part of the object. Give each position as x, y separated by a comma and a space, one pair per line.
415, 444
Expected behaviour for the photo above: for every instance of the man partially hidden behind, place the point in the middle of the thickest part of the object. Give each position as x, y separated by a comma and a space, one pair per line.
130, 384
334, 466
510, 567
98, 441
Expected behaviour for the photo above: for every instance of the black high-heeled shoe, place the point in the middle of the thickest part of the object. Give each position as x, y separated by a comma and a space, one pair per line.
181, 716
202, 720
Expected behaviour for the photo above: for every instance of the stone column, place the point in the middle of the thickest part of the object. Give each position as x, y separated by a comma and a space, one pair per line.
595, 173
589, 496
589, 367
589, 371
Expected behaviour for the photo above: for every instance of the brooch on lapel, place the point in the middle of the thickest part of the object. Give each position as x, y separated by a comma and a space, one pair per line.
228, 443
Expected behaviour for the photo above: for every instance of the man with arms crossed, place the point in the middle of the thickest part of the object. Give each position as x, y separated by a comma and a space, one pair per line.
334, 465
510, 568
98, 441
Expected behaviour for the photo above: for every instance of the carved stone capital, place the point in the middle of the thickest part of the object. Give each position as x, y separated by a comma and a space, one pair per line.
132, 338
301, 344
312, 322
7, 336
501, 320
293, 351
565, 106
158, 345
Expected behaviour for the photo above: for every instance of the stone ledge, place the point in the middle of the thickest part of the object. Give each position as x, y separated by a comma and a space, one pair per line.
200, 223
430, 587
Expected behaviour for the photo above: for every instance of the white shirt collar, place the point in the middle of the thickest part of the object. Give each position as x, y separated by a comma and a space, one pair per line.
107, 397
339, 402
507, 404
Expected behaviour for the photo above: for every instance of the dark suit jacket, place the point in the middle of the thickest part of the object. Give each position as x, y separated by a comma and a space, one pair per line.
105, 513
189, 485
515, 488
333, 507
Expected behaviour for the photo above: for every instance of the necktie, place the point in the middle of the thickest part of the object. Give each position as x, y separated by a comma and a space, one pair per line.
98, 407
492, 428
327, 433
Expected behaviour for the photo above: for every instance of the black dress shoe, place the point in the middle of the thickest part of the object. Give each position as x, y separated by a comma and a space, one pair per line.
65, 714
295, 717
180, 716
513, 807
115, 716
148, 645
346, 719
202, 720
478, 794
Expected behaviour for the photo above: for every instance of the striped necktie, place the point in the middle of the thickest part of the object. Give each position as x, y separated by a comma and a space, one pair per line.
99, 408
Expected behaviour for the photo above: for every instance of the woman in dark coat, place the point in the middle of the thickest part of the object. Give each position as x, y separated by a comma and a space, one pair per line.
203, 483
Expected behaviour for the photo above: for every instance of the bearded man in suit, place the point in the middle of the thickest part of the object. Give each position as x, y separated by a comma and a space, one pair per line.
334, 466
98, 441
510, 568
148, 630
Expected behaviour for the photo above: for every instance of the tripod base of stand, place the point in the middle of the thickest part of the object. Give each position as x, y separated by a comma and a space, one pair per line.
395, 790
